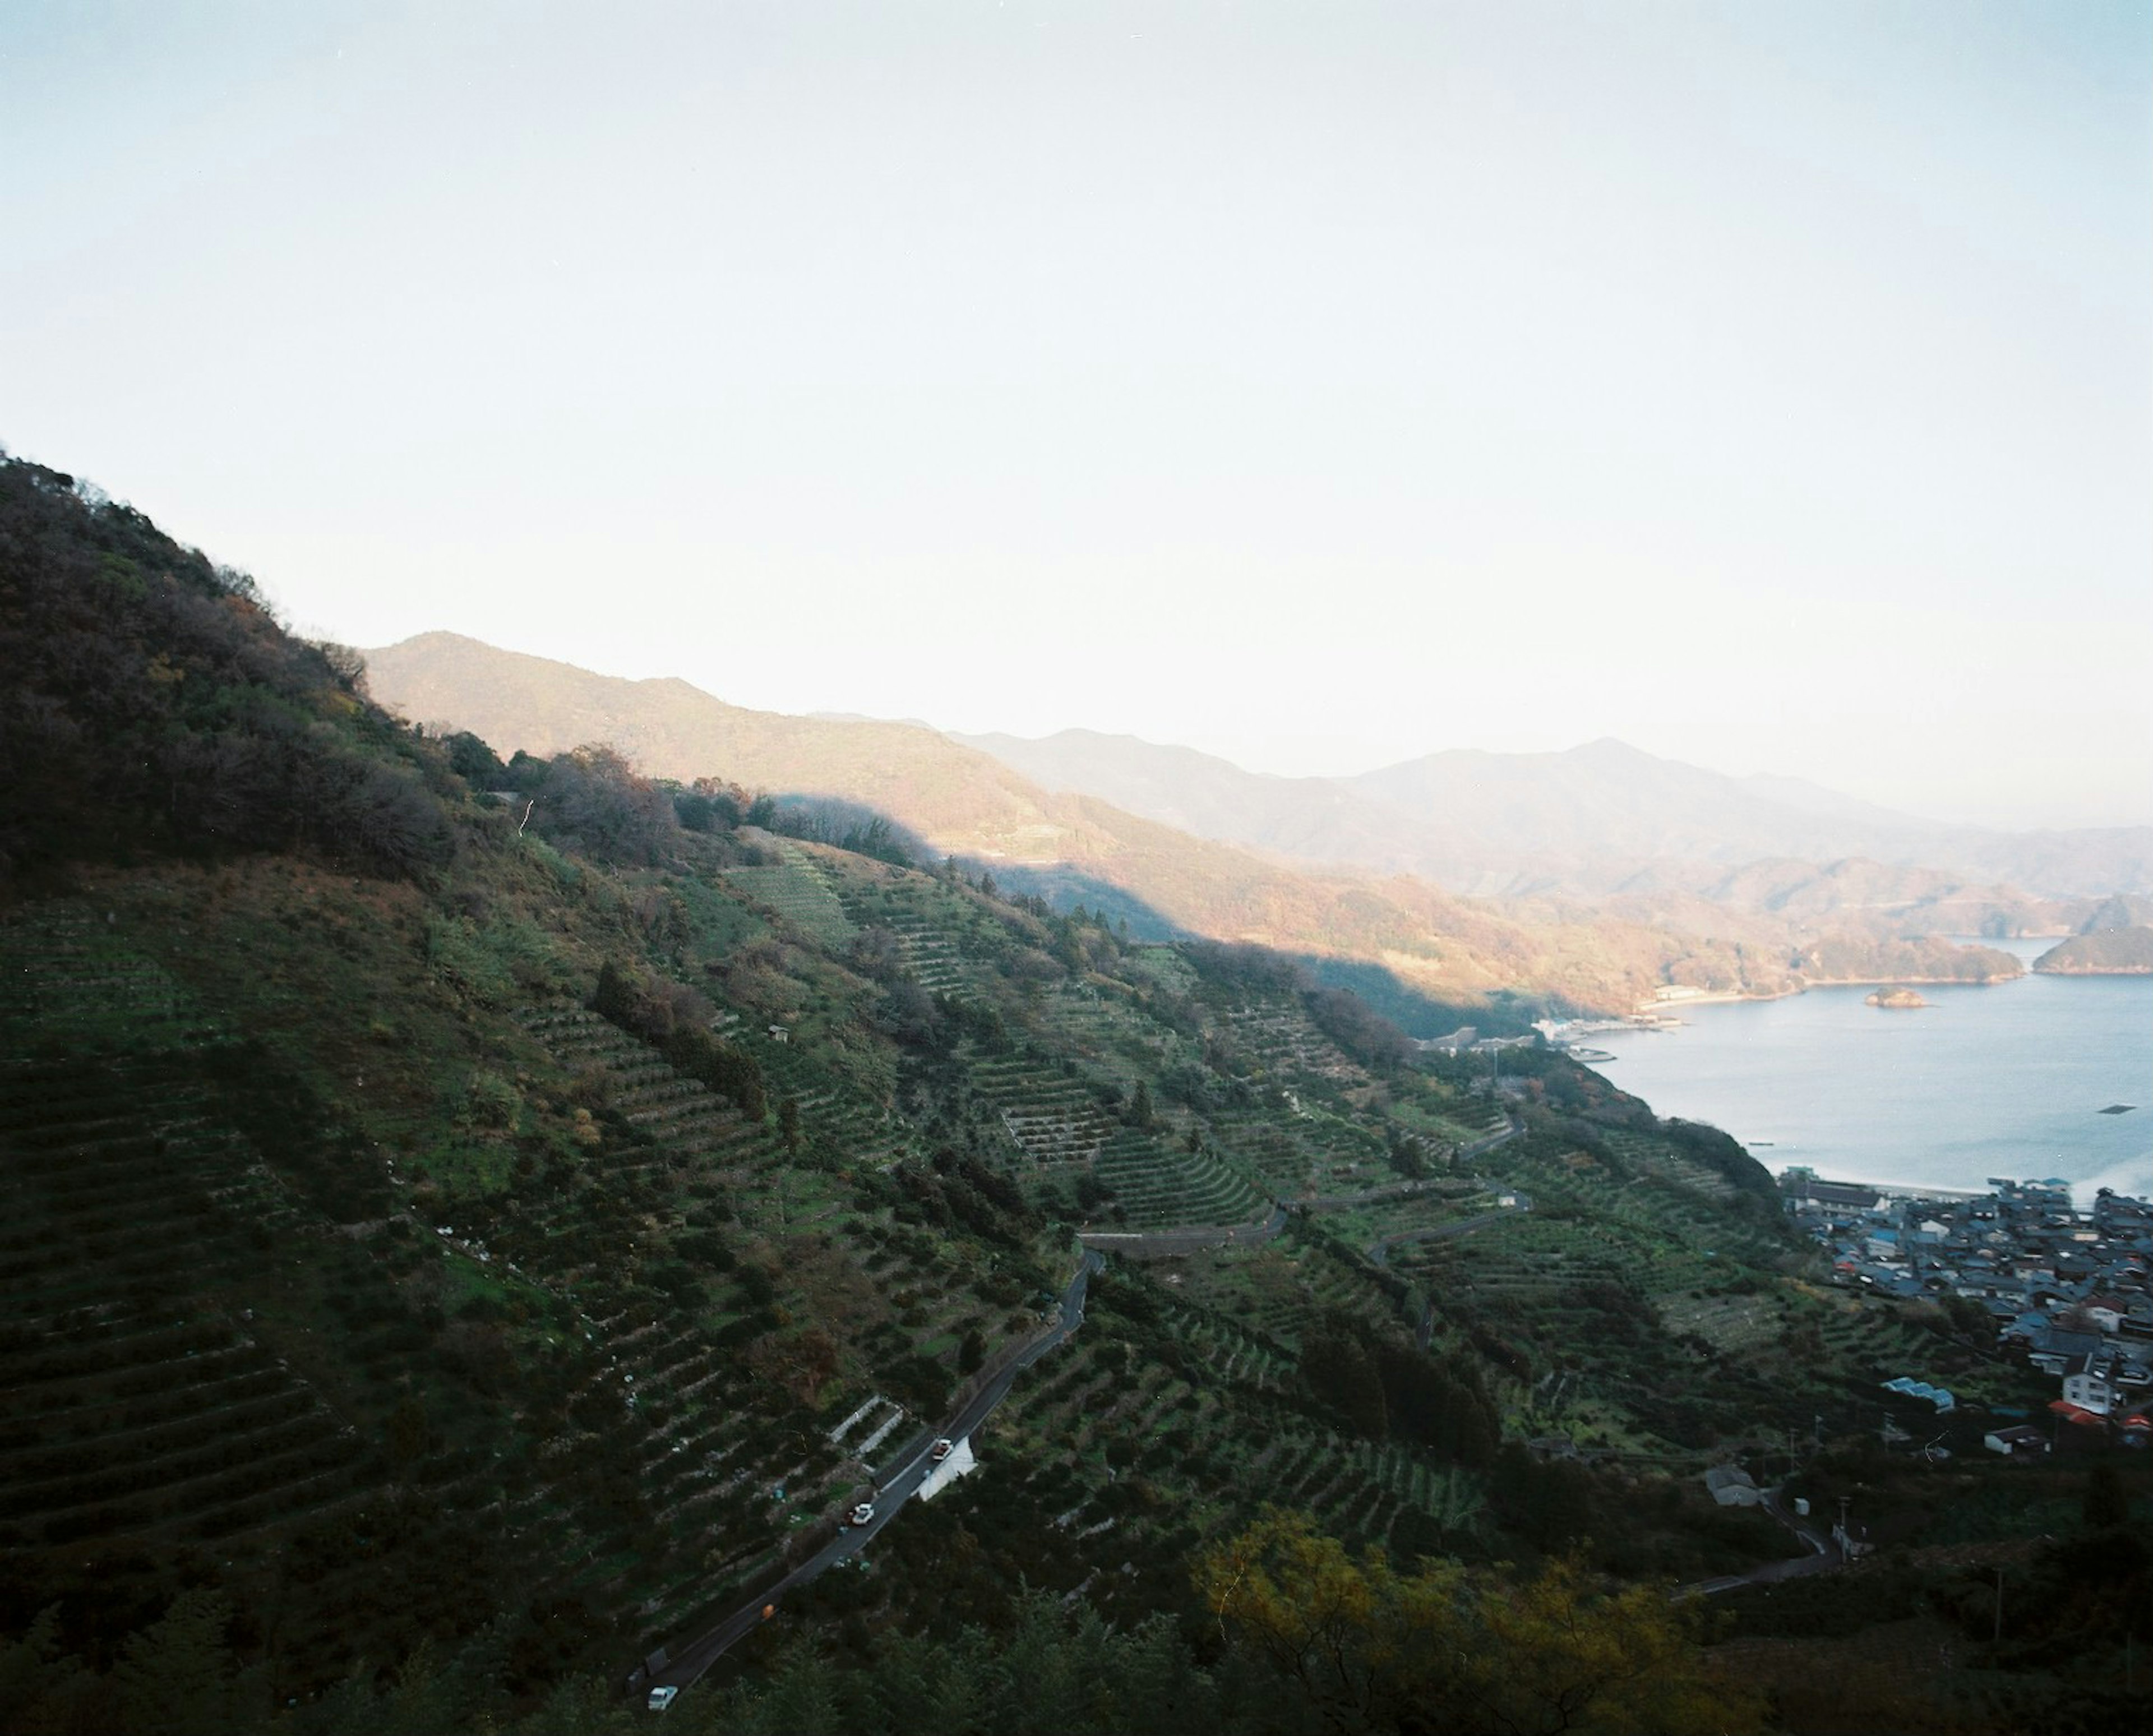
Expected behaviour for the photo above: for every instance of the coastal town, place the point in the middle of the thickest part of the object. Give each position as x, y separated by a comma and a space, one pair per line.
2067, 1288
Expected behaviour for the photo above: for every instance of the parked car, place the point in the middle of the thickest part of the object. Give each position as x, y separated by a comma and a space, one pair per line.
862, 1515
663, 1698
941, 1449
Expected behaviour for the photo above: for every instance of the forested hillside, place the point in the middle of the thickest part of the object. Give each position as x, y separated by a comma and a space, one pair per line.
473, 1222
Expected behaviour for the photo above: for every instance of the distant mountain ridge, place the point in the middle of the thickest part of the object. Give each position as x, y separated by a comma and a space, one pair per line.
1074, 848
1595, 820
962, 801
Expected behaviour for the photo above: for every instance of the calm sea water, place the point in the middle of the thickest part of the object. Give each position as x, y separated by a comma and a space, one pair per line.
2007, 1079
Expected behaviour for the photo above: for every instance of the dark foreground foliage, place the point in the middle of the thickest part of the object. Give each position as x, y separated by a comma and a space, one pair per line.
152, 703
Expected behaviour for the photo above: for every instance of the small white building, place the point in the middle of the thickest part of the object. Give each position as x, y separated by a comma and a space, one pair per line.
2022, 1441
2088, 1392
1732, 1486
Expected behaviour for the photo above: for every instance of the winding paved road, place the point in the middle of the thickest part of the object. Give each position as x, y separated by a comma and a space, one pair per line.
1823, 1557
896, 1484
1514, 1125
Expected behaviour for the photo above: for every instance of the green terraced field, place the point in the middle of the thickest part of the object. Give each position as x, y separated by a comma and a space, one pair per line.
797, 892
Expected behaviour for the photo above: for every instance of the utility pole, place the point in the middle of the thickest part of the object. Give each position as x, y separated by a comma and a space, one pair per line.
1996, 1636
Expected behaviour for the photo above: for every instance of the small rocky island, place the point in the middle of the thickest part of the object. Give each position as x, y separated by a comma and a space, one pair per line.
1893, 997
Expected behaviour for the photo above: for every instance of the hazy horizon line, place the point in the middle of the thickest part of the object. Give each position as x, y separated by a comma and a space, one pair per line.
1898, 810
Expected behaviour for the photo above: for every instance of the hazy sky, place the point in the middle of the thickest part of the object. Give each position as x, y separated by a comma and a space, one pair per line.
1770, 386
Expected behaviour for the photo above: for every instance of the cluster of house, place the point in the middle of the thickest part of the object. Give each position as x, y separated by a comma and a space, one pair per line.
2068, 1287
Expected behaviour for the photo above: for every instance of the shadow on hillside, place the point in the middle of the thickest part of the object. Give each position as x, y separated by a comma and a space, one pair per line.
1064, 888
850, 826
855, 825
1503, 1014
1382, 989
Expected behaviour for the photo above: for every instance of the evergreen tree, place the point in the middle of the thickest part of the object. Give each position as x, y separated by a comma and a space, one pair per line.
1141, 1114
38, 1681
614, 998
179, 1676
